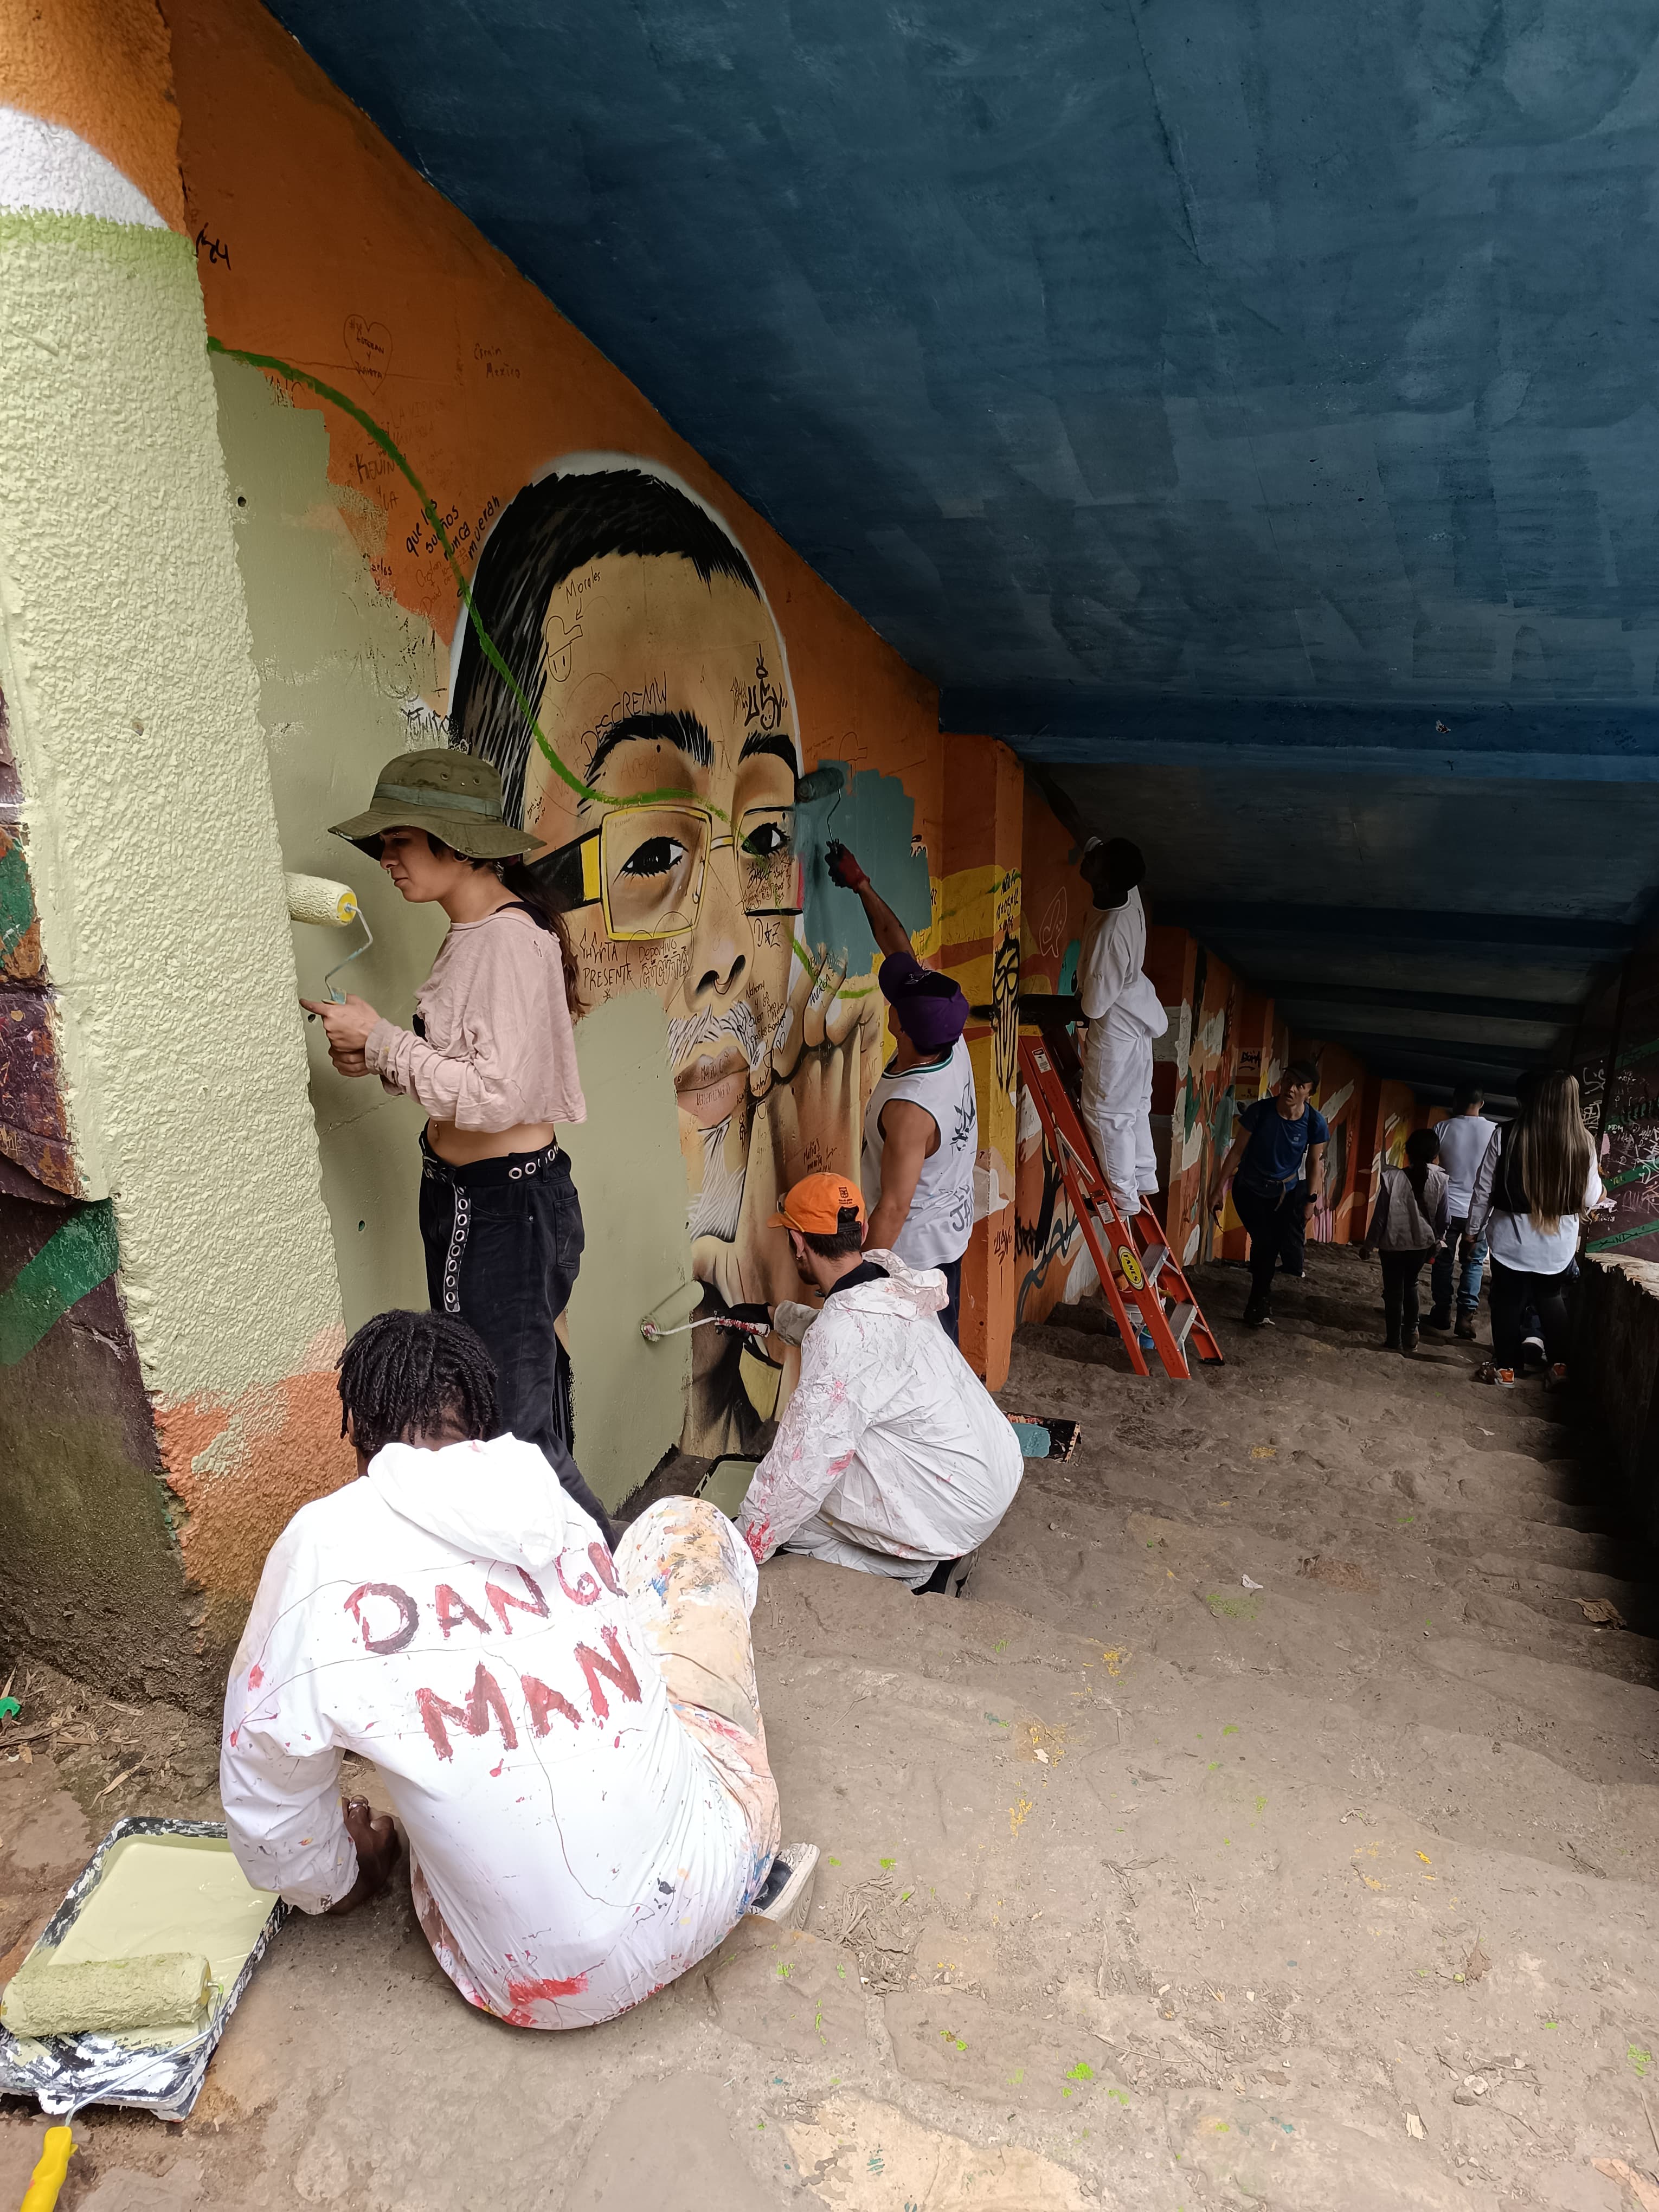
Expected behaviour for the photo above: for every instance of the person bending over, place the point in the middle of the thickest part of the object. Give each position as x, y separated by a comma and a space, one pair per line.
891, 1456
1279, 1139
922, 1125
573, 1746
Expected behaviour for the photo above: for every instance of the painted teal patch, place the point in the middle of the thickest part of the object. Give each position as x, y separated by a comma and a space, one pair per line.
16, 899
874, 818
1066, 986
81, 1254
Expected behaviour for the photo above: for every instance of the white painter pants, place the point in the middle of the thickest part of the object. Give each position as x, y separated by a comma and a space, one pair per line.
1117, 1106
818, 1539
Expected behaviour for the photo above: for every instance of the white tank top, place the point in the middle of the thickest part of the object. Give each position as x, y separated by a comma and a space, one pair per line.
941, 1218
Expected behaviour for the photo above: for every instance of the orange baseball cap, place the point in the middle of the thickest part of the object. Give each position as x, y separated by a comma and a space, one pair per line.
814, 1205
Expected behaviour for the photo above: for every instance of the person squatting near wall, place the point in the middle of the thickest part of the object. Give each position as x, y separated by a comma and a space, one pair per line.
891, 1456
575, 1750
921, 1125
1464, 1139
492, 1057
1124, 1014
1408, 1225
1276, 1165
1537, 1176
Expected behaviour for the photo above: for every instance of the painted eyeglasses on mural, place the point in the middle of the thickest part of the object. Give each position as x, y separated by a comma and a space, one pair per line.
645, 866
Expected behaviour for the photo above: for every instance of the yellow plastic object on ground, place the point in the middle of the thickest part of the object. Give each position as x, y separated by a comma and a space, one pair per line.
48, 2176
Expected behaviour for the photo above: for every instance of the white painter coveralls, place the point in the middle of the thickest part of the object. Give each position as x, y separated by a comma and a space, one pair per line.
892, 1455
1125, 1013
573, 1747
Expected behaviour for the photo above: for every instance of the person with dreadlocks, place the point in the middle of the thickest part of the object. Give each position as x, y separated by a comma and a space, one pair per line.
573, 1747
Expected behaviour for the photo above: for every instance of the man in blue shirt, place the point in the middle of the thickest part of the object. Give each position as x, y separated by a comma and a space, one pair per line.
1280, 1140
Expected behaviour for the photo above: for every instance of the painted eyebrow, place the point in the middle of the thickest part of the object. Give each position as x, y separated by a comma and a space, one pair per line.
776, 742
680, 729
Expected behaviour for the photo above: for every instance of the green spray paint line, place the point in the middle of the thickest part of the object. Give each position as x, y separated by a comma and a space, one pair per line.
487, 645
75, 1259
1622, 1236
16, 899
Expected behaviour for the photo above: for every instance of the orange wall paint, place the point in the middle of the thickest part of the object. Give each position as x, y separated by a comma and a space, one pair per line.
99, 68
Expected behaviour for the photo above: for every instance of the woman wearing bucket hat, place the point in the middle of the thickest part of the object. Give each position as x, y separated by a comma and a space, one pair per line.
492, 1057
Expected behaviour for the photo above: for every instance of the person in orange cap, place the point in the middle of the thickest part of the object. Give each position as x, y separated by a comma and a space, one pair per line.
891, 1456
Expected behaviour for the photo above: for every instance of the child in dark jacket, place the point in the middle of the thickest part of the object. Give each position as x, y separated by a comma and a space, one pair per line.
1408, 1225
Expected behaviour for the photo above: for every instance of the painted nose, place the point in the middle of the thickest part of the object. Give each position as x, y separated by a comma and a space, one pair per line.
722, 943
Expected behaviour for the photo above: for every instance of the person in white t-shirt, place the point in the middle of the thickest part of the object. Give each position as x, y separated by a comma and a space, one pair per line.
1539, 1176
921, 1125
1124, 1013
1465, 1138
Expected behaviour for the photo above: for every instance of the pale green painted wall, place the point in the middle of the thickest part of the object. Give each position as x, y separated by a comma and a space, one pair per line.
125, 665
338, 664
625, 1158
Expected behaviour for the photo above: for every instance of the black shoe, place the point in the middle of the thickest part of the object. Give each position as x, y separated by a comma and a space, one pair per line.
1439, 1323
1258, 1314
1408, 1344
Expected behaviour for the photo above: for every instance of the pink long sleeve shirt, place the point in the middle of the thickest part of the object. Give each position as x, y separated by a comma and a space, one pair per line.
499, 1047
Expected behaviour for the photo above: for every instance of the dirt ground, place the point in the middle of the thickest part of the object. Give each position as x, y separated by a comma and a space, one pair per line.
1271, 1824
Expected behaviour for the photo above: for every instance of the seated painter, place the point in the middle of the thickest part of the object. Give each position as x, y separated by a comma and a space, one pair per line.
891, 1456
573, 1746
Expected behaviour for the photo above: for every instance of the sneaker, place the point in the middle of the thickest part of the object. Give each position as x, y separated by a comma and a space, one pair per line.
1556, 1377
1258, 1315
1408, 1344
1503, 1377
1532, 1354
1389, 1344
1437, 1324
785, 1898
1466, 1328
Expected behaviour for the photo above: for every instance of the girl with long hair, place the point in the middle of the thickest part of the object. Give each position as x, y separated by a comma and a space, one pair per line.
491, 1055
1407, 1223
1538, 1177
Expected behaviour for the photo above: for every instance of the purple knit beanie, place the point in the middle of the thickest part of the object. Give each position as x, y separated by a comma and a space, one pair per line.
930, 1008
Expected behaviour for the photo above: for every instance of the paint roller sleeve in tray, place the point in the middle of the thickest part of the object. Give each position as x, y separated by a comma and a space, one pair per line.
162, 1908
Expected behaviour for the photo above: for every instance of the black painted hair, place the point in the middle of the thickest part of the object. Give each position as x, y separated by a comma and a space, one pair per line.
848, 1236
1300, 1070
547, 531
407, 1371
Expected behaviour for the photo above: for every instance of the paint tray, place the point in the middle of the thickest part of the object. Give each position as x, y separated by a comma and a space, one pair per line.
726, 1484
159, 2070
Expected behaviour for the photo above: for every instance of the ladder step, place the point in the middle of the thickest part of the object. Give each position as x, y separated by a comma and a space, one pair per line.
1181, 1322
1153, 1262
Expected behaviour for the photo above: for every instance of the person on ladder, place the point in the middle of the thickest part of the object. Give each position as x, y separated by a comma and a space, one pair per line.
1124, 1013
921, 1127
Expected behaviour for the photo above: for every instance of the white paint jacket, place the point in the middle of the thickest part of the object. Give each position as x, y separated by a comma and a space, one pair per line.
455, 1618
889, 1435
1111, 980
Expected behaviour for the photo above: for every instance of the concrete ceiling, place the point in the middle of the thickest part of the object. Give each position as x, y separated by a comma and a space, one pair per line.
1250, 414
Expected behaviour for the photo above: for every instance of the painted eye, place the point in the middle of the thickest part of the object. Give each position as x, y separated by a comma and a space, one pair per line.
765, 840
657, 856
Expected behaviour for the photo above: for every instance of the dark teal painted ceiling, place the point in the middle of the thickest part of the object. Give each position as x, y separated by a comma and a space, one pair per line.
1175, 381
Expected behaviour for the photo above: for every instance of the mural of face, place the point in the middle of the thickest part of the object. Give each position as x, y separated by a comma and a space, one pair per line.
661, 772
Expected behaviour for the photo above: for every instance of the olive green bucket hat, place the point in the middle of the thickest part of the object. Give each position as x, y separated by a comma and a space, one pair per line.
455, 796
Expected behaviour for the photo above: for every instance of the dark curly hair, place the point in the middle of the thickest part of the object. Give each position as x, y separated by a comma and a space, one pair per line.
423, 1372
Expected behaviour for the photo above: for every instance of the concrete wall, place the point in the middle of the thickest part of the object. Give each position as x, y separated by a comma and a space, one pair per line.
1615, 1367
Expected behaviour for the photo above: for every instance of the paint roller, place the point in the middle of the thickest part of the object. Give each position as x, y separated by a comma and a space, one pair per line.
331, 906
107, 1997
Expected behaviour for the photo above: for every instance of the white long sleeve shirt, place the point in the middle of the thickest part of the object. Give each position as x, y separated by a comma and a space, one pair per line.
1515, 1239
455, 1618
889, 1435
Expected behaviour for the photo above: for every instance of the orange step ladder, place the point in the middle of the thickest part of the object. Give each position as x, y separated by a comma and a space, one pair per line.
1137, 1269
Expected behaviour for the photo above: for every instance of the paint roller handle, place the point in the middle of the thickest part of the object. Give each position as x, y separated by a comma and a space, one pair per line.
48, 2176
843, 867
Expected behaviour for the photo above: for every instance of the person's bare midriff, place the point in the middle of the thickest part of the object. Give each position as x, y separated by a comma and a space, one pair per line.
461, 1148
